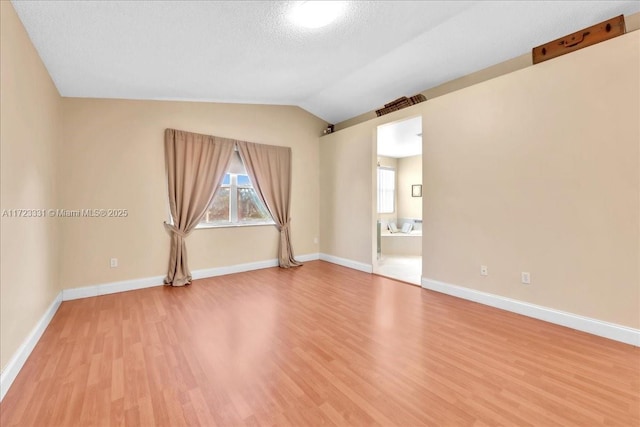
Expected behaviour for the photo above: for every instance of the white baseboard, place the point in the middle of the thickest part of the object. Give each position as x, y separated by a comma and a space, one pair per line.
231, 269
308, 257
10, 372
241, 268
612, 331
367, 268
111, 288
148, 282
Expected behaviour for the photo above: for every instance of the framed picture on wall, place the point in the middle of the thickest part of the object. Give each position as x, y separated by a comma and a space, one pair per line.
416, 190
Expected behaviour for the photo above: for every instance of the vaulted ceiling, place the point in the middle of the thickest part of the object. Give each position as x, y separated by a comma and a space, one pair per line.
249, 52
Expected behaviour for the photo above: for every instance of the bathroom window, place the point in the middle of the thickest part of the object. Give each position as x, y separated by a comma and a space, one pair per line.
236, 202
386, 190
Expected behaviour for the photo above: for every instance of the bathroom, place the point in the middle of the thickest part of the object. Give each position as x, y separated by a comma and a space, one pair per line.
399, 200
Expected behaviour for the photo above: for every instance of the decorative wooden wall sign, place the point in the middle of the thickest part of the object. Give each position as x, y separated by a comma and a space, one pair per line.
400, 103
606, 30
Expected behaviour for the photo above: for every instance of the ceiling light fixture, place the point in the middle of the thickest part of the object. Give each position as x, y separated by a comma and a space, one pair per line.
316, 14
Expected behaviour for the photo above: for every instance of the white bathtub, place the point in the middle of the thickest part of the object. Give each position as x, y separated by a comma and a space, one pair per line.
401, 243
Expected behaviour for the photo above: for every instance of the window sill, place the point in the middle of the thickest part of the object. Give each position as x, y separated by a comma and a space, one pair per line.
254, 224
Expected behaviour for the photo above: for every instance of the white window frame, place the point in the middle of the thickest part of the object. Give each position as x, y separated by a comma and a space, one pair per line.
233, 207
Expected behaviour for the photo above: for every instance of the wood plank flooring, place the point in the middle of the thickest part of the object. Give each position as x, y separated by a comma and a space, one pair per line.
316, 345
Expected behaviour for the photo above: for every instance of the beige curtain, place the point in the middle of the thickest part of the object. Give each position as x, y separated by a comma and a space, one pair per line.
195, 166
269, 168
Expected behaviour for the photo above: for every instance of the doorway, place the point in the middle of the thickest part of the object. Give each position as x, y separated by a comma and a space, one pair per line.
399, 201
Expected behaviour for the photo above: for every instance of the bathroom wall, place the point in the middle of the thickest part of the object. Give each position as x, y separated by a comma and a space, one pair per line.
409, 173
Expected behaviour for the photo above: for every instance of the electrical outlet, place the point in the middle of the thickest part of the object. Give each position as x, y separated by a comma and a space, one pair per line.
113, 262
526, 278
484, 270
315, 240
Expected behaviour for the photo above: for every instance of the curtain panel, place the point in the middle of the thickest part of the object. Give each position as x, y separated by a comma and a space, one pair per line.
269, 168
195, 166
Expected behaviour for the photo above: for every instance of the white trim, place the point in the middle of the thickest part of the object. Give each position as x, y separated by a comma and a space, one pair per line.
356, 265
111, 288
241, 268
601, 328
231, 269
11, 370
308, 257
130, 285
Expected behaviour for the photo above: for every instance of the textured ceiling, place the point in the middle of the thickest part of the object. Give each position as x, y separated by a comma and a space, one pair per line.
248, 52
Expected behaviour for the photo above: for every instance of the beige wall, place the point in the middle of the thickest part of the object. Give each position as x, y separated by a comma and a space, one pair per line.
29, 129
113, 158
388, 162
409, 173
537, 170
347, 201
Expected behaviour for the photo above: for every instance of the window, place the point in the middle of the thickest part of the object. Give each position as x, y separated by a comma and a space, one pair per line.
236, 202
386, 190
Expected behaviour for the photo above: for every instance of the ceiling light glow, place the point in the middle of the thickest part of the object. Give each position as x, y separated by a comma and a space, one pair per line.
316, 14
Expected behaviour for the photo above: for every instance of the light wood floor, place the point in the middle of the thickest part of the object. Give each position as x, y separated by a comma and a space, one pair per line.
317, 345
